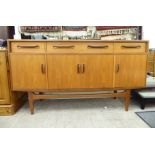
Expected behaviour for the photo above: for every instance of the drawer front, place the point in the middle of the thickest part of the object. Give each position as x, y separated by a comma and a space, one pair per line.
79, 47
28, 46
129, 47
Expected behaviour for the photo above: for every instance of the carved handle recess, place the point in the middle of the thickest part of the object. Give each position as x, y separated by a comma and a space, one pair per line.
63, 46
78, 68
29, 46
117, 68
83, 68
97, 46
125, 46
43, 68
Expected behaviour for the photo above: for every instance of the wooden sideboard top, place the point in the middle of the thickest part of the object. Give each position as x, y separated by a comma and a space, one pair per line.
112, 41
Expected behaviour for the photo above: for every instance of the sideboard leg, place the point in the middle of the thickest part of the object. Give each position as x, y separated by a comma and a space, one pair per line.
142, 105
127, 100
41, 93
31, 105
115, 91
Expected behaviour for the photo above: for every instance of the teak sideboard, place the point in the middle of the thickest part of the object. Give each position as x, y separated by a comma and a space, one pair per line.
39, 66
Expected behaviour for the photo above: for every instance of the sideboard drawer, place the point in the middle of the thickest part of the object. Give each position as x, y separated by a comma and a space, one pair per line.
62, 47
79, 47
98, 47
28, 46
129, 47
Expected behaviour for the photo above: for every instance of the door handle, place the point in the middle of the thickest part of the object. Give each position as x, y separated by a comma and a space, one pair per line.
117, 68
78, 68
83, 68
43, 68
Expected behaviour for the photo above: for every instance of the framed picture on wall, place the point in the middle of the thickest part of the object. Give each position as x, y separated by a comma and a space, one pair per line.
83, 32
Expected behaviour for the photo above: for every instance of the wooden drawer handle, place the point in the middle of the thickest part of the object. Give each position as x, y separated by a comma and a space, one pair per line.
43, 68
29, 46
63, 46
131, 46
97, 46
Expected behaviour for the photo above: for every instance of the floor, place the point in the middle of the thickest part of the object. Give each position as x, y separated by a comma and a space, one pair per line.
77, 113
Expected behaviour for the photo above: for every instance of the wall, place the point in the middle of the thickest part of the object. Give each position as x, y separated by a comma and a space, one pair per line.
149, 34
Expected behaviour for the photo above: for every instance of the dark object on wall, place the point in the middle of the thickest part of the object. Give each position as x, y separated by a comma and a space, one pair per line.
25, 36
7, 32
140, 33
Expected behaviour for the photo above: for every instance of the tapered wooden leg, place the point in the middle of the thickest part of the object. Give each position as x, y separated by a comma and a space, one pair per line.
41, 94
127, 100
31, 105
115, 91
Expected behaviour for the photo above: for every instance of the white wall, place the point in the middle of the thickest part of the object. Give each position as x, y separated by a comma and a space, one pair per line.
17, 34
149, 34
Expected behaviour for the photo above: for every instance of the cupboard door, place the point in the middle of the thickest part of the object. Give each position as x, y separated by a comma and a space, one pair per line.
63, 71
28, 71
4, 86
80, 71
97, 71
130, 71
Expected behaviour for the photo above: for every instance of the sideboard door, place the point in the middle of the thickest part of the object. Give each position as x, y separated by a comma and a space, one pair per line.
28, 71
80, 71
130, 71
97, 71
4, 87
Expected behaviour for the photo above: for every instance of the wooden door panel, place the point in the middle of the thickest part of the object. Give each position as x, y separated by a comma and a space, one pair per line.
98, 71
63, 71
26, 71
4, 87
130, 71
